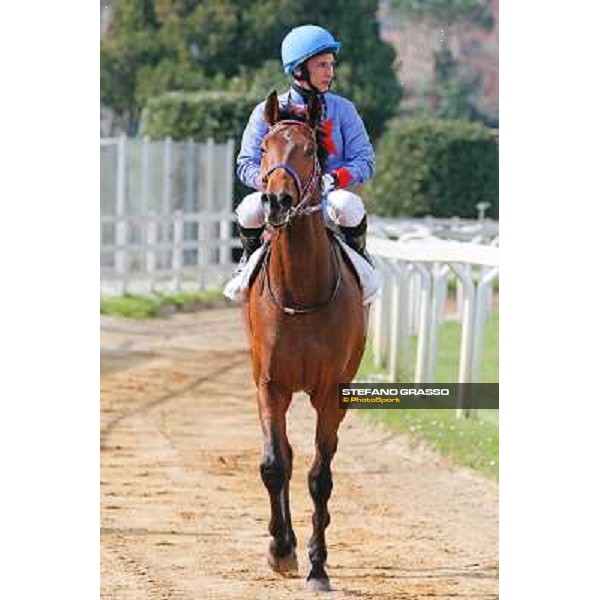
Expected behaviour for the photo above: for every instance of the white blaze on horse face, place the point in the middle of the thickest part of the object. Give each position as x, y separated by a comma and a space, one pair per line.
289, 149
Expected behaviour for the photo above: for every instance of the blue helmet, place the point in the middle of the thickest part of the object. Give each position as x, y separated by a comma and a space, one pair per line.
303, 42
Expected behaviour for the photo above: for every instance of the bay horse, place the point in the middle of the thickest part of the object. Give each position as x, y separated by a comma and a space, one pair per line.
306, 328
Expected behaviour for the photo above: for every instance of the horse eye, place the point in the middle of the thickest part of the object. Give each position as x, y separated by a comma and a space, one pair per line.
310, 150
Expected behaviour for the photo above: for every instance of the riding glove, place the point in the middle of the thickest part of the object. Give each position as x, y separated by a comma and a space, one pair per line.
328, 183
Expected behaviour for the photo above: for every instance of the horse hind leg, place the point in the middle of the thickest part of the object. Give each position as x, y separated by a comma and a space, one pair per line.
276, 471
320, 485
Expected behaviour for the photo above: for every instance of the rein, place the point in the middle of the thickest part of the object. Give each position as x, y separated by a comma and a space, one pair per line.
305, 194
298, 310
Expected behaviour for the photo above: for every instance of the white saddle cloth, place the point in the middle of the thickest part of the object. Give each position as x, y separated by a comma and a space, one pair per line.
237, 287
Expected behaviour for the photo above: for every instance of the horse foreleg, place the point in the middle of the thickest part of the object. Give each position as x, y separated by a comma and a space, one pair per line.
276, 471
320, 484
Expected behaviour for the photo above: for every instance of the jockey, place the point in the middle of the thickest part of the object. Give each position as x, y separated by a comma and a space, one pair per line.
308, 55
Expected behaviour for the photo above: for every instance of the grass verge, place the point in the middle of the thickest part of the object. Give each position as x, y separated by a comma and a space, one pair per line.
136, 306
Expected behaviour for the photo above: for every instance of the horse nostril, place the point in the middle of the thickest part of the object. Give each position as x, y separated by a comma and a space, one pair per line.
285, 201
269, 200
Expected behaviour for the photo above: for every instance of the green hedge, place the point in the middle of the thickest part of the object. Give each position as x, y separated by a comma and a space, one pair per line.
438, 168
198, 115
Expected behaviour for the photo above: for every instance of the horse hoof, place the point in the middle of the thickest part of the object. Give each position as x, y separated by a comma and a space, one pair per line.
284, 565
318, 584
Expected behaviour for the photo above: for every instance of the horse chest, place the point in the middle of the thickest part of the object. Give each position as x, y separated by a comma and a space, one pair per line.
300, 355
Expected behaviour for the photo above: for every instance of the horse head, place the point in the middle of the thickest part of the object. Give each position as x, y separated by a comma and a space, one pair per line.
290, 165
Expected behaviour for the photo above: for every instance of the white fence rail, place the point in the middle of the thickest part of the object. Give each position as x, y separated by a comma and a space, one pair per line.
480, 231
415, 278
166, 215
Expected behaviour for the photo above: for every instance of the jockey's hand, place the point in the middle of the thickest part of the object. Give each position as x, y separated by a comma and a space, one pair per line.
328, 183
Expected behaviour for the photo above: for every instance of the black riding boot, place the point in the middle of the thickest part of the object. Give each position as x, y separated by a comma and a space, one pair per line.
356, 238
251, 241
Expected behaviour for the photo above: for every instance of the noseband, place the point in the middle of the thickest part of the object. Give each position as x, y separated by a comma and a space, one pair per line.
306, 191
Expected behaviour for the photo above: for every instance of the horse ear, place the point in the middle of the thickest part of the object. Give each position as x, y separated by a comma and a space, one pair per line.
313, 111
272, 108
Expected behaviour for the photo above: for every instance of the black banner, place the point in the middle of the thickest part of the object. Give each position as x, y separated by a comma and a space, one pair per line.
419, 395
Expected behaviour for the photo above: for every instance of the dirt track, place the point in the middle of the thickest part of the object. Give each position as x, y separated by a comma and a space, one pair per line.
183, 510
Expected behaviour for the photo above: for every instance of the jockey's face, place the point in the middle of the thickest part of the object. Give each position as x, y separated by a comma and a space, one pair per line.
321, 70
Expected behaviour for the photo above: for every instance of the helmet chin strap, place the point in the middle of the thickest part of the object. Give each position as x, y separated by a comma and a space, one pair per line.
306, 94
305, 76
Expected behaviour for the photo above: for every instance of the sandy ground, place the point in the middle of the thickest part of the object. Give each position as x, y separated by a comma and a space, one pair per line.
183, 510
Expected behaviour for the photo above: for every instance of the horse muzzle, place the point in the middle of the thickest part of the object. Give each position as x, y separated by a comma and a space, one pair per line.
277, 207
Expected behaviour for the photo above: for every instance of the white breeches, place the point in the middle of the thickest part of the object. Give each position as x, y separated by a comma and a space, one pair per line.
341, 207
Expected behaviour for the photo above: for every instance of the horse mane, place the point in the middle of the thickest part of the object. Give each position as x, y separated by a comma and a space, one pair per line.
325, 145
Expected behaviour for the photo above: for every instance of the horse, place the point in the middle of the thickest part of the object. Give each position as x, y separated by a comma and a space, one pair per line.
305, 325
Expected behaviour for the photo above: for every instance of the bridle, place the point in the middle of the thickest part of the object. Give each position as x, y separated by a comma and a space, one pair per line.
306, 191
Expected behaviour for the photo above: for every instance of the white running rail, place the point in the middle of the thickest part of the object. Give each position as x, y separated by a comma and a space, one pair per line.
415, 288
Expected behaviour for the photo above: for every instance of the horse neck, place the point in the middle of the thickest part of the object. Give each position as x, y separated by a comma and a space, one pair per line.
301, 268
